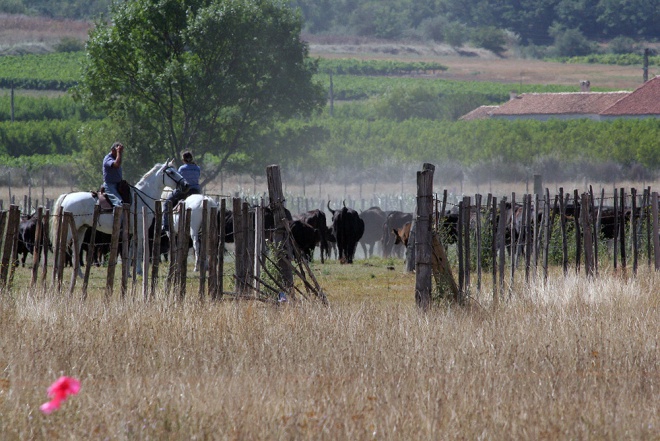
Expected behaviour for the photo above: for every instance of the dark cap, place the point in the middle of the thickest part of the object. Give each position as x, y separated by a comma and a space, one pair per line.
187, 156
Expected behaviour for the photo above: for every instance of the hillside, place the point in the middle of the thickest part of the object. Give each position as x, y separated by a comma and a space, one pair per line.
21, 34
471, 64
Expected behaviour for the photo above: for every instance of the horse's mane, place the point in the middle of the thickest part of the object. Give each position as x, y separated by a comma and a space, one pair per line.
153, 171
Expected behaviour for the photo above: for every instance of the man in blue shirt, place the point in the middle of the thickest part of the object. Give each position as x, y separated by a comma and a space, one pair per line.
191, 173
112, 175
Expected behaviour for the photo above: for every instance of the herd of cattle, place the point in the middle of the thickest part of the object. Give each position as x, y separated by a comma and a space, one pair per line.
310, 229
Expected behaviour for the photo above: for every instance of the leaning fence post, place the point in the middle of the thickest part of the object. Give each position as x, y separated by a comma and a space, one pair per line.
10, 237
282, 246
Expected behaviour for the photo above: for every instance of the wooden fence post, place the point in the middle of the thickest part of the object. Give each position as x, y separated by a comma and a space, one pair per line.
501, 240
75, 254
184, 241
633, 228
146, 254
564, 241
212, 253
114, 246
38, 244
467, 213
11, 236
477, 203
547, 230
585, 216
125, 261
423, 264
155, 259
203, 246
616, 229
61, 258
656, 230
493, 247
460, 247
90, 249
248, 262
239, 246
282, 246
44, 247
135, 245
221, 250
171, 278
578, 238
622, 228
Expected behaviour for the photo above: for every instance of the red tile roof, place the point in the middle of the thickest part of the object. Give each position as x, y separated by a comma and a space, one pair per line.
645, 100
482, 112
559, 103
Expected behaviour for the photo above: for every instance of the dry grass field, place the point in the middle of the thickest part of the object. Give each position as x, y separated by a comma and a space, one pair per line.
571, 359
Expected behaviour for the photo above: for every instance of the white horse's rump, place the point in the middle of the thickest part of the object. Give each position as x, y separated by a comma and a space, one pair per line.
195, 203
146, 192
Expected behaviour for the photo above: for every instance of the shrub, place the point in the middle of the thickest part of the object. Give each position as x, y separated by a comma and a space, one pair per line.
622, 45
490, 38
455, 34
69, 44
571, 42
434, 28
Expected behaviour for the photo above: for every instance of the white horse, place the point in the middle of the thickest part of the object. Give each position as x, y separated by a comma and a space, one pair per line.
146, 192
195, 203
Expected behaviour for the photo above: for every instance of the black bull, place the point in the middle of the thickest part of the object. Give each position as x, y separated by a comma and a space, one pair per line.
348, 229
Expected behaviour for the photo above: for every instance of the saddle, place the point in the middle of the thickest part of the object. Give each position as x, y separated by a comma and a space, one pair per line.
105, 204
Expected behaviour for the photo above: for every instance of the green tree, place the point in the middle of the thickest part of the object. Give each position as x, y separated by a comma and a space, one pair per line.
206, 75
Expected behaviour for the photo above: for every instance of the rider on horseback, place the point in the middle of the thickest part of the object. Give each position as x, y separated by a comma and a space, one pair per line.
112, 175
191, 173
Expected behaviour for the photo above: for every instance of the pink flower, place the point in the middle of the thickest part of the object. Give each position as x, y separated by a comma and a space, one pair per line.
59, 391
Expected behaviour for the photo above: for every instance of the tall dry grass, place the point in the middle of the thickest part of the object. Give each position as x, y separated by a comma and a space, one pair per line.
571, 359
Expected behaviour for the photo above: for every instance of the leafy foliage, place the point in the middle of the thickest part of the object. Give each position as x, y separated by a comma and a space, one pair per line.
211, 76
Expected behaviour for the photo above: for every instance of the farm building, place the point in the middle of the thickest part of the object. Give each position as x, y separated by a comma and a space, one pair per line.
644, 102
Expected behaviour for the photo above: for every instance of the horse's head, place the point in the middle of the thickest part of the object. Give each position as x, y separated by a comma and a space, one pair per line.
172, 178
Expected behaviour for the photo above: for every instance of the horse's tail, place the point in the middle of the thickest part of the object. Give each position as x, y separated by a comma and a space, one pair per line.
53, 217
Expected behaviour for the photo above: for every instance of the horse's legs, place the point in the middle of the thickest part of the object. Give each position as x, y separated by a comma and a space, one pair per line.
196, 244
76, 258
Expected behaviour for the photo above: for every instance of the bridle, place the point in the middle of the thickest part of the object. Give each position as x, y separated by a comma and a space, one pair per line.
178, 182
166, 171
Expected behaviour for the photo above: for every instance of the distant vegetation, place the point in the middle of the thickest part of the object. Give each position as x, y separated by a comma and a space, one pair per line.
379, 123
539, 28
57, 71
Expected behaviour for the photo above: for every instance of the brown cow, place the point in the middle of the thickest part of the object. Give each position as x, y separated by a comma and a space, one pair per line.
402, 234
